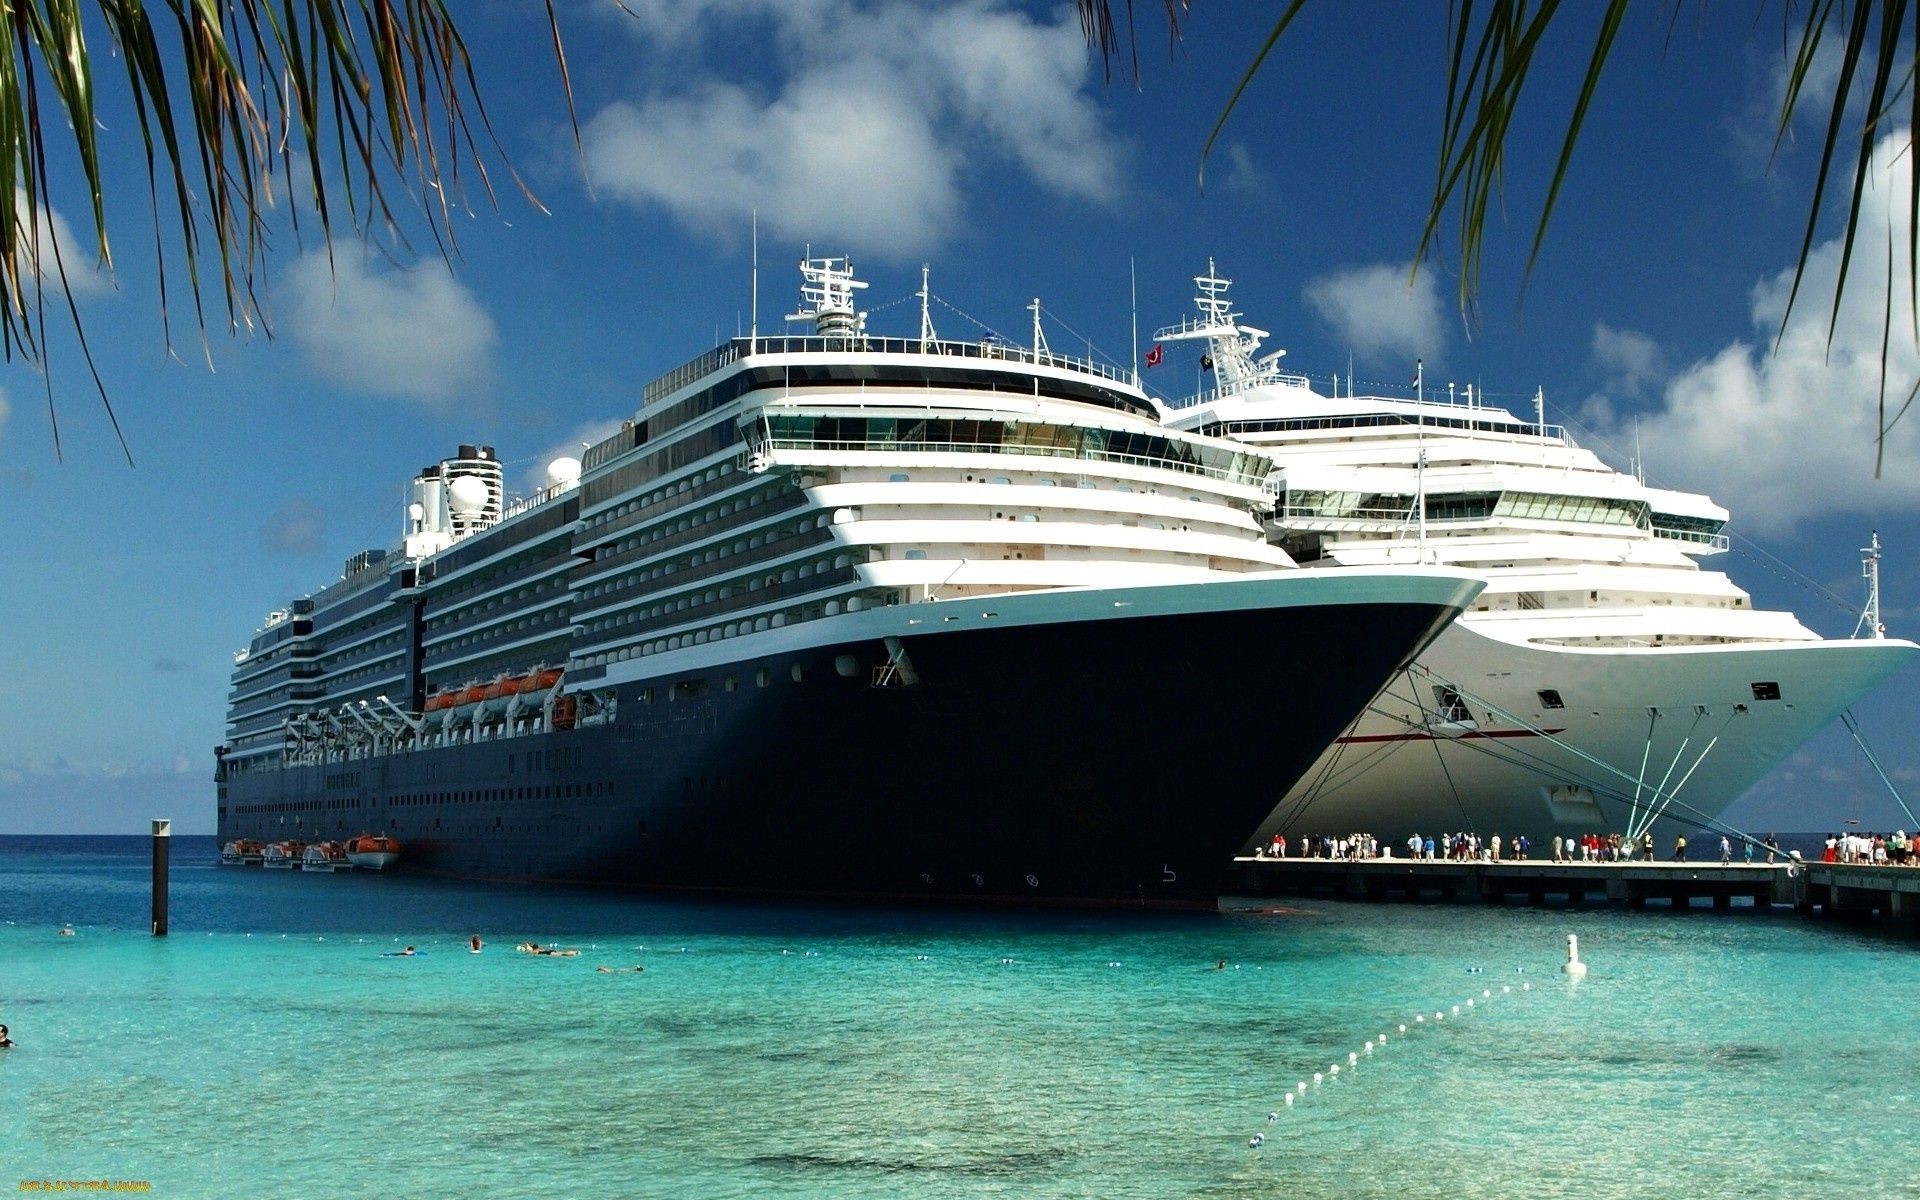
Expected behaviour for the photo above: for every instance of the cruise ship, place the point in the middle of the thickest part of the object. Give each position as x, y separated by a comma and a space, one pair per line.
833, 614
1603, 682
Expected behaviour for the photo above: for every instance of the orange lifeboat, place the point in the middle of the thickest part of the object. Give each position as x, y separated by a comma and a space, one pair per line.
283, 855
372, 851
441, 701
474, 694
324, 856
540, 680
241, 852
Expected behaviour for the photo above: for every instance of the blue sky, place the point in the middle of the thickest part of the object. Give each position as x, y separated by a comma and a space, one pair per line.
978, 137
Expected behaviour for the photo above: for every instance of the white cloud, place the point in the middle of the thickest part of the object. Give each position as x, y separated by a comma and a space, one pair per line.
1784, 433
1244, 175
839, 156
1380, 313
886, 114
53, 248
1631, 360
414, 333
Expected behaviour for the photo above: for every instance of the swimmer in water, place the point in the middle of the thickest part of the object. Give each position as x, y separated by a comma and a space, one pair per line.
6, 1043
407, 953
1221, 965
606, 970
66, 931
474, 943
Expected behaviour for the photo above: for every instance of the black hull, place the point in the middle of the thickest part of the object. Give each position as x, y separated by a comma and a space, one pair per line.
1118, 761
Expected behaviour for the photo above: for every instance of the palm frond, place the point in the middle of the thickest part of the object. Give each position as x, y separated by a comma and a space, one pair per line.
1490, 54
379, 96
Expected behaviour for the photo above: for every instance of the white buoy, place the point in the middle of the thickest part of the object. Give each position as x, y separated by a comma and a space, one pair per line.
1353, 1058
1486, 993
1403, 1029
1469, 1001
1439, 1016
1317, 1077
1417, 1018
1575, 969
1506, 987
1456, 1010
1334, 1069
1369, 1047
1289, 1099
1303, 1087
1526, 987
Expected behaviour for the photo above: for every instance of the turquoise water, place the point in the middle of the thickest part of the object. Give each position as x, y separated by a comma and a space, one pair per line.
266, 1047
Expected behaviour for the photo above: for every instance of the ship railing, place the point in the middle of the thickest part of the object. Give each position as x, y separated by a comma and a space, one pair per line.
989, 349
1259, 380
767, 443
1716, 542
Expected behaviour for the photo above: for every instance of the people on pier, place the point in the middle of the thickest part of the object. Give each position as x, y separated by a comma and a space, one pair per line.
1773, 848
1726, 850
1680, 848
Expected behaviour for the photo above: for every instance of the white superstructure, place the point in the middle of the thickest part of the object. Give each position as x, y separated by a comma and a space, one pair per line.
1601, 679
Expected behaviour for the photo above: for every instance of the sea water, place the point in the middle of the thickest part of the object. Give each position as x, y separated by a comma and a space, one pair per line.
270, 1047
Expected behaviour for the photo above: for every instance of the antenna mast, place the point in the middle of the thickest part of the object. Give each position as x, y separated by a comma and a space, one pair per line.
1870, 570
755, 335
926, 318
1039, 339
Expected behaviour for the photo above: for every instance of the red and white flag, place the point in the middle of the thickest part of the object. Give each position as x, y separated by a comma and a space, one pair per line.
1153, 356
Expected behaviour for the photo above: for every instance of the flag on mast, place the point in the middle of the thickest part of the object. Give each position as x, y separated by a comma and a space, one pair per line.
1153, 356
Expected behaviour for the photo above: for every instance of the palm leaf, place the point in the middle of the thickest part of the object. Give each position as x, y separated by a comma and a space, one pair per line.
377, 97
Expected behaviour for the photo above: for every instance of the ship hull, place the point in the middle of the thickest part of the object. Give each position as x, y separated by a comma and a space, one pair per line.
1691, 722
1108, 747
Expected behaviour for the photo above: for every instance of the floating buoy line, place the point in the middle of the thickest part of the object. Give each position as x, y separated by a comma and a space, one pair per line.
1305, 1087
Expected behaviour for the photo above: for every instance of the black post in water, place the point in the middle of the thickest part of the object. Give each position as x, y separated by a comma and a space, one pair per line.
162, 838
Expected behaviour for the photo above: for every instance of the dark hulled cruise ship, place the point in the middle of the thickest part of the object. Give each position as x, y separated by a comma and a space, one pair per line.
833, 614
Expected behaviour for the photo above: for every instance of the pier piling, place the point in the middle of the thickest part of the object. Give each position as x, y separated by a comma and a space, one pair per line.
162, 840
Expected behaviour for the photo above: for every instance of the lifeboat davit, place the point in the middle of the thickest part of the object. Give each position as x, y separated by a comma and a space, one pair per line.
282, 855
325, 856
373, 851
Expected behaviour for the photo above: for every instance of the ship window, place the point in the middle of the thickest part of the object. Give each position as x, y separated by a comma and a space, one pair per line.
1001, 479
1769, 690
1448, 705
1549, 698
799, 673
898, 477
762, 677
916, 554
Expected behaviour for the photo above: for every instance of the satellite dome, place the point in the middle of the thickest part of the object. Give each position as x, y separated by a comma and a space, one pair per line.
468, 495
562, 470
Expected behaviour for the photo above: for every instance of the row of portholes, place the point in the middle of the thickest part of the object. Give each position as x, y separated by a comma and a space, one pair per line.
493, 633
714, 595
670, 528
760, 624
677, 488
714, 554
514, 599
644, 577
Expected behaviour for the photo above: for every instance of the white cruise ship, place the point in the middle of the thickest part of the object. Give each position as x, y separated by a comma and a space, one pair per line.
1602, 682
834, 614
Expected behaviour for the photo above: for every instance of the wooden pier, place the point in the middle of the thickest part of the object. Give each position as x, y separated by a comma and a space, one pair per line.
1533, 882
1838, 889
